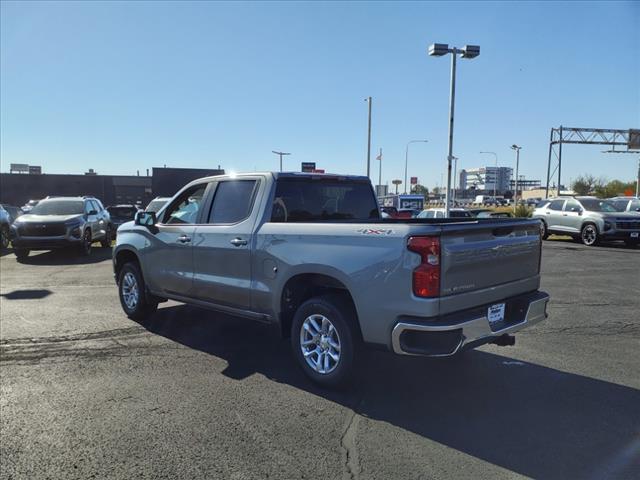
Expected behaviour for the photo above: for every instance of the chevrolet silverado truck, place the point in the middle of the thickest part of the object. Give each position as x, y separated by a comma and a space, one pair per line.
310, 255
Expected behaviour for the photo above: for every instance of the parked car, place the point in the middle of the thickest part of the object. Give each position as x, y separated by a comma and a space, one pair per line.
310, 255
156, 204
58, 222
588, 219
14, 212
626, 204
440, 213
120, 214
5, 226
26, 208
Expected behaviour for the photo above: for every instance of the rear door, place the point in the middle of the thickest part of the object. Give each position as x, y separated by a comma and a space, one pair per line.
224, 242
169, 262
553, 214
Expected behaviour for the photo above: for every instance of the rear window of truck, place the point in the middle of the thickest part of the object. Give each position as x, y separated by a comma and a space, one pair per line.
321, 199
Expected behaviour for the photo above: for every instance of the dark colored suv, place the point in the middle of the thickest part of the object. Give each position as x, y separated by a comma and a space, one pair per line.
58, 222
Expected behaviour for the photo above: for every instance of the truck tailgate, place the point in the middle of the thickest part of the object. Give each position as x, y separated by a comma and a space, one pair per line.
499, 258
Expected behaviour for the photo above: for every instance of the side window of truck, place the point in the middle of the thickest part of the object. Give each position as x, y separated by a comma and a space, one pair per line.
232, 201
185, 209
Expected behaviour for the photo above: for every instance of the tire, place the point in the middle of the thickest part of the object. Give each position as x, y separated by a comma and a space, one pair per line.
106, 241
130, 282
21, 253
85, 244
589, 235
4, 237
328, 323
544, 232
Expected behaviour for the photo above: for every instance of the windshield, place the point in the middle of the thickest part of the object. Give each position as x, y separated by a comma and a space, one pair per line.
459, 214
122, 212
595, 205
59, 207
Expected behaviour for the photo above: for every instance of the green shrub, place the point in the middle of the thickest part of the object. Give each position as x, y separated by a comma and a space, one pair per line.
522, 211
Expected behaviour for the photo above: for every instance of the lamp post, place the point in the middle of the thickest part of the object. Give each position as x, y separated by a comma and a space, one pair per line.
515, 197
406, 160
280, 154
468, 51
495, 181
369, 100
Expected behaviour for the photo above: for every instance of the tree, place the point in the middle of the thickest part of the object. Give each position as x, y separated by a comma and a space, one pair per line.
613, 189
586, 184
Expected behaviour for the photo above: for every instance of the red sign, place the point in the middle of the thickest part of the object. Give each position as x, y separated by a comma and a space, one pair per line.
319, 170
414, 180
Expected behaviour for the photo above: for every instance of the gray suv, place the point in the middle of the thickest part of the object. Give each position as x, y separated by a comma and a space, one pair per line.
588, 219
5, 224
58, 222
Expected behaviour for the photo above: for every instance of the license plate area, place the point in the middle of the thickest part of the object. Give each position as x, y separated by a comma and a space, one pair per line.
495, 314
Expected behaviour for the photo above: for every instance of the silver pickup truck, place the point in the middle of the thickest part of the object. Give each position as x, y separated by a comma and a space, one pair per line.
311, 255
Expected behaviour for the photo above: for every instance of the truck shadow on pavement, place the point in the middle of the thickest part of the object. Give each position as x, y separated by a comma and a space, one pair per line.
533, 420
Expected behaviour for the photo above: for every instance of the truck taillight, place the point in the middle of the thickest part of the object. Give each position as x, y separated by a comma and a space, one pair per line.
426, 277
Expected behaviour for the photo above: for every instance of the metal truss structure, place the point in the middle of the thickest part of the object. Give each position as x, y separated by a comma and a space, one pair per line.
587, 136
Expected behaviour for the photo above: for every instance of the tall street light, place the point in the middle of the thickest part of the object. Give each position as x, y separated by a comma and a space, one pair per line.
438, 50
406, 160
281, 154
517, 149
495, 180
455, 179
369, 100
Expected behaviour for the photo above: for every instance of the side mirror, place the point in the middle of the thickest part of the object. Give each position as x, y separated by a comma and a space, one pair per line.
145, 219
93, 212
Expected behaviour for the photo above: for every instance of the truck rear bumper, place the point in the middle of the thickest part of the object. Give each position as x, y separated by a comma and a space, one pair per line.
445, 336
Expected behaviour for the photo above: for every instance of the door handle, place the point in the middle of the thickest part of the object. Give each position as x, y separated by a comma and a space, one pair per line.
238, 242
548, 213
564, 214
184, 239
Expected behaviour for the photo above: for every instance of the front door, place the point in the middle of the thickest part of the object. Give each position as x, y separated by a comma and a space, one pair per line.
169, 259
223, 244
553, 214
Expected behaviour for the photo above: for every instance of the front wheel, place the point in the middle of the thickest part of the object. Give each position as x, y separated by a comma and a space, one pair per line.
132, 293
589, 235
106, 241
323, 340
85, 244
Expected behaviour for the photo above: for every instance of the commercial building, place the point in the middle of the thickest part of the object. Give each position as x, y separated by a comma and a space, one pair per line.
17, 188
486, 179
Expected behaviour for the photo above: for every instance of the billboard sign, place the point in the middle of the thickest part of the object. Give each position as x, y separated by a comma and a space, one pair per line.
35, 170
18, 168
308, 167
634, 139
414, 180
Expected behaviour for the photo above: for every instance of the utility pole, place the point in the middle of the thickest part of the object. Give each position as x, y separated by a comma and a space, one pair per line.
638, 181
406, 161
280, 154
369, 100
515, 197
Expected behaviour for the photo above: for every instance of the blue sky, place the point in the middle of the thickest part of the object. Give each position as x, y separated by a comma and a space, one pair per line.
121, 87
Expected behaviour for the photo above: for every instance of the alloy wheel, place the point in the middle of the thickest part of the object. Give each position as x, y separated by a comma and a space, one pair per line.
130, 290
320, 344
589, 235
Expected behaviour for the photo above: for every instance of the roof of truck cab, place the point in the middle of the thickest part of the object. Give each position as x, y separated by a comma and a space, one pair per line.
276, 175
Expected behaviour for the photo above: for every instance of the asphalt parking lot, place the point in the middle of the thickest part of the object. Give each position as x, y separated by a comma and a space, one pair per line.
87, 393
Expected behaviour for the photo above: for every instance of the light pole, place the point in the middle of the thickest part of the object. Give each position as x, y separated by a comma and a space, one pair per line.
379, 157
438, 50
515, 197
495, 180
406, 160
369, 100
281, 154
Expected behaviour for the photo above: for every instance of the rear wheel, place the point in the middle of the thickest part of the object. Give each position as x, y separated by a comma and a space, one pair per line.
132, 293
324, 341
589, 234
544, 232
